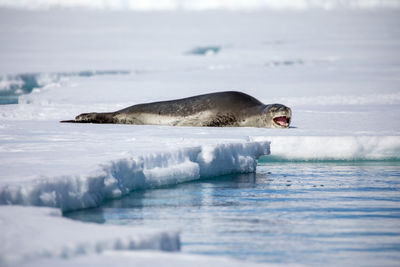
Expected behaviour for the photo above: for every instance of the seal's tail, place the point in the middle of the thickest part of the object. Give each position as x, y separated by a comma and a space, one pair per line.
69, 121
92, 118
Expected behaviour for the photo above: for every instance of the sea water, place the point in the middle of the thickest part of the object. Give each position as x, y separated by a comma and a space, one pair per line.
322, 212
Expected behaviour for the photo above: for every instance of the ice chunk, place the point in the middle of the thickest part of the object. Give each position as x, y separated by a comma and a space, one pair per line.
78, 166
333, 147
29, 234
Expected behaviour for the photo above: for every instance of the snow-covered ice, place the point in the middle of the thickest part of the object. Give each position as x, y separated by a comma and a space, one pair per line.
169, 5
149, 258
338, 70
30, 233
73, 166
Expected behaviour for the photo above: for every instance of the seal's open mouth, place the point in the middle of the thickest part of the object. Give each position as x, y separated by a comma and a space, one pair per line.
282, 121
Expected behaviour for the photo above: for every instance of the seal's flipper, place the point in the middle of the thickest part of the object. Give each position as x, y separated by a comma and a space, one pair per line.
92, 118
69, 121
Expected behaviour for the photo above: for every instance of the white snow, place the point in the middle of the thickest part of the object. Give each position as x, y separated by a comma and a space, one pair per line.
149, 259
75, 166
338, 71
145, 5
29, 234
334, 147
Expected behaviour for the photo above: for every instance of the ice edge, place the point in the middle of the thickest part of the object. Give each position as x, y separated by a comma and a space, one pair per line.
119, 177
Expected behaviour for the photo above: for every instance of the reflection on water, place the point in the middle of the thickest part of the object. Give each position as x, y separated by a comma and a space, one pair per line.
328, 213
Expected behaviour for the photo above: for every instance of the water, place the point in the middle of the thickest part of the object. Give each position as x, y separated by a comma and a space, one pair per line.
12, 86
205, 50
313, 213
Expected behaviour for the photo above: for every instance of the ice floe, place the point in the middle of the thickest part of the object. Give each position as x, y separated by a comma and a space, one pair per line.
30, 233
77, 166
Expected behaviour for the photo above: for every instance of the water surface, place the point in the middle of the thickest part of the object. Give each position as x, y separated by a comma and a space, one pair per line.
332, 213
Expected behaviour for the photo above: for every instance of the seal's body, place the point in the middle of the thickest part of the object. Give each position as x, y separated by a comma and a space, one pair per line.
230, 109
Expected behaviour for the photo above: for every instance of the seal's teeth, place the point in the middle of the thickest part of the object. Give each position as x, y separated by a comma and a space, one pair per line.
282, 121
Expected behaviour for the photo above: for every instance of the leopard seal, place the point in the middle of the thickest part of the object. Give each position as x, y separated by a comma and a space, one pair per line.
223, 109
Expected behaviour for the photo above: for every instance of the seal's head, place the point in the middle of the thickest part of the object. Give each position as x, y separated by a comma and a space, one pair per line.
277, 115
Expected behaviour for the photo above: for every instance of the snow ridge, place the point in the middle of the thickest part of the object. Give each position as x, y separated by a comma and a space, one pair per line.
119, 177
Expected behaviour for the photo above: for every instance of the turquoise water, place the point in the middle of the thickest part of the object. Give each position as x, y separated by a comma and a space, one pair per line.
332, 213
205, 50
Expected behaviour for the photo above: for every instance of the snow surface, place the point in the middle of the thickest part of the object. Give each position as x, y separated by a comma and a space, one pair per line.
148, 258
338, 71
74, 166
145, 5
29, 234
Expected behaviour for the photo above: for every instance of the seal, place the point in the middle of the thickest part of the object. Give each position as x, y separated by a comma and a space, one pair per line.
222, 109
